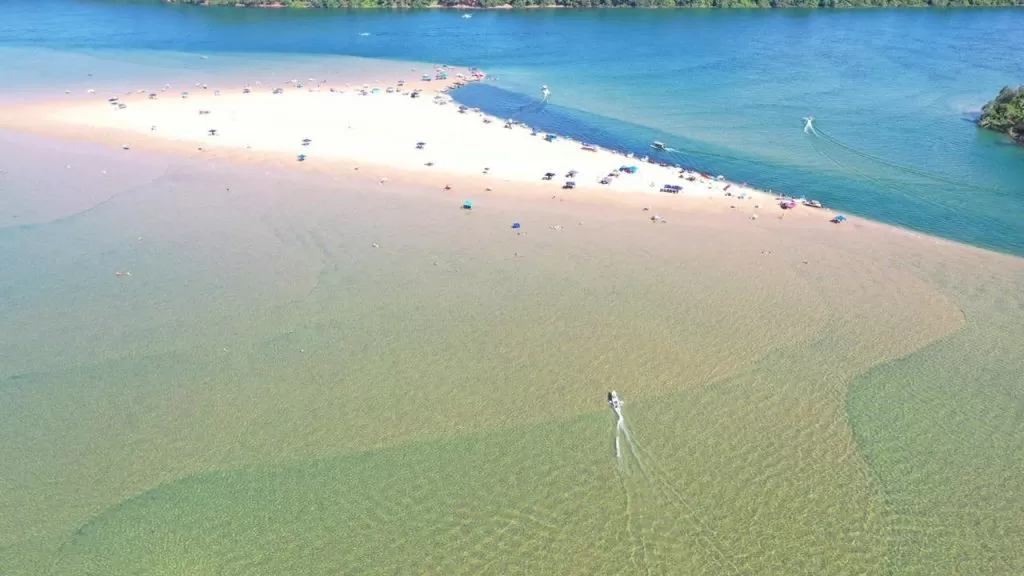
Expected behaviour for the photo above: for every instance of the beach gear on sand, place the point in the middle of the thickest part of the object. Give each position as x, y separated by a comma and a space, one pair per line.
516, 226
838, 219
467, 205
301, 157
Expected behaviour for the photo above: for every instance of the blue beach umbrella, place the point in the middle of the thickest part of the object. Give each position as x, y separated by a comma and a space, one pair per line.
516, 225
467, 205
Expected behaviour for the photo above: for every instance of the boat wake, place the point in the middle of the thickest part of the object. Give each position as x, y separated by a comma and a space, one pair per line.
830, 147
658, 483
622, 433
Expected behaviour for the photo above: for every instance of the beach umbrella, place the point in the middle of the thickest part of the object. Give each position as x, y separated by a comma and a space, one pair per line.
301, 157
516, 226
467, 205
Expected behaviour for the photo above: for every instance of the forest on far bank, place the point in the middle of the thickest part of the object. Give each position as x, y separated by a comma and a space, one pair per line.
602, 3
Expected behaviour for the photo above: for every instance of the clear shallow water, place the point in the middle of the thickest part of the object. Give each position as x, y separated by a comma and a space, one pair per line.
268, 394
894, 90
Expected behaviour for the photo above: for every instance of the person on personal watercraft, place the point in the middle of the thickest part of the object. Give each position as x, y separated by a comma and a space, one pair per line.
614, 401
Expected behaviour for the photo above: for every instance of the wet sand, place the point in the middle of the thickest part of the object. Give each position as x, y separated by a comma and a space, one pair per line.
309, 370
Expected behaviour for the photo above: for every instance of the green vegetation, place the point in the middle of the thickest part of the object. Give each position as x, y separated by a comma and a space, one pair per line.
1005, 113
602, 3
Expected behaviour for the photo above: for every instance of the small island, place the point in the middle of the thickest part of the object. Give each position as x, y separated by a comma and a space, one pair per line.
1006, 113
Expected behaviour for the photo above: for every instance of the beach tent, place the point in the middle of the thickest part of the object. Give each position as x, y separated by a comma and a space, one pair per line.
839, 219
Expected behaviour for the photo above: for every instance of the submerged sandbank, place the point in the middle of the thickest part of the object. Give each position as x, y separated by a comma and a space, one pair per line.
305, 360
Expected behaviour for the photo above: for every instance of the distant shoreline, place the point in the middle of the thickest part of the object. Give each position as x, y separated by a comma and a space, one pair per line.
616, 4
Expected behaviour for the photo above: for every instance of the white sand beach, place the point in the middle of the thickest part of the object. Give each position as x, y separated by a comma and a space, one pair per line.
379, 128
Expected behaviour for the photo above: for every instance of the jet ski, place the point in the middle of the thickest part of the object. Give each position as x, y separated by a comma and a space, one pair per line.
614, 401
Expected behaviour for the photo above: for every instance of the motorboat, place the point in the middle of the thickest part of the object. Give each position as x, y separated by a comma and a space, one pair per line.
657, 145
812, 203
614, 401
467, 16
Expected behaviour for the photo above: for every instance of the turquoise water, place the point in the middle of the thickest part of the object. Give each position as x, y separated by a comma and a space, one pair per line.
893, 91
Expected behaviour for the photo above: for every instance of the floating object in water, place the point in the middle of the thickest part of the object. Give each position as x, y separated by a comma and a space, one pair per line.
614, 401
809, 125
657, 145
544, 93
364, 33
467, 16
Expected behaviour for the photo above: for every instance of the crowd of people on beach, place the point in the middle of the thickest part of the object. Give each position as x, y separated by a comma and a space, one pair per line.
444, 79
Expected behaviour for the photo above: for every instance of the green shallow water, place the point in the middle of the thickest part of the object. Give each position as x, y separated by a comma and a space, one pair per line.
269, 394
942, 430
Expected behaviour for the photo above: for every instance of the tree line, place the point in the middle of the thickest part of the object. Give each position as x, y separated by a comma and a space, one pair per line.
604, 3
1005, 113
